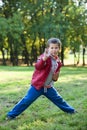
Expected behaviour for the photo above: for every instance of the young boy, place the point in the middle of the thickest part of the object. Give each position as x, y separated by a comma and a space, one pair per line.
46, 72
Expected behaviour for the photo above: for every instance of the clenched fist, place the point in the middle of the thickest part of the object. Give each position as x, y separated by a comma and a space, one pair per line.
46, 54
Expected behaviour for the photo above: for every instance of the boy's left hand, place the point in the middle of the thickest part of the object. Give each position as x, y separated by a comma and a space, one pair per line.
55, 76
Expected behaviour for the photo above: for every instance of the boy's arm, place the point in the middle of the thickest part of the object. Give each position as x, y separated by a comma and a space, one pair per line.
41, 62
56, 74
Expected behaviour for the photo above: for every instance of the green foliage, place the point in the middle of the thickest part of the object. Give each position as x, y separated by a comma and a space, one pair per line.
27, 22
3, 27
16, 27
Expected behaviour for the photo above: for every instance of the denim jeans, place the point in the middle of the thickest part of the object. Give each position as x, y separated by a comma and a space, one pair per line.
33, 94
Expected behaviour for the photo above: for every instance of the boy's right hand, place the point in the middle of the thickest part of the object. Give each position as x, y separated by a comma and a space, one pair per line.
46, 54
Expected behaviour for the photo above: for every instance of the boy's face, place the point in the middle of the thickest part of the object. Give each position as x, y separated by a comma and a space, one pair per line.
53, 49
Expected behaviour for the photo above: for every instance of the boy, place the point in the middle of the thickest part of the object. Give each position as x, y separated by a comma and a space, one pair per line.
46, 72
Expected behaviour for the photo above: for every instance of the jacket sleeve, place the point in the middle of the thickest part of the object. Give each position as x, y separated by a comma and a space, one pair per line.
56, 74
59, 66
40, 64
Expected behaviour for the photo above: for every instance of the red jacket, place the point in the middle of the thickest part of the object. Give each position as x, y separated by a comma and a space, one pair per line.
42, 69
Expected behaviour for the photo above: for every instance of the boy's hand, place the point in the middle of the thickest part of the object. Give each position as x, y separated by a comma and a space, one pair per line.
55, 76
46, 54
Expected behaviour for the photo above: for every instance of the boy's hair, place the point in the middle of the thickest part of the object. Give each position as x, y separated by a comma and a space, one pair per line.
54, 41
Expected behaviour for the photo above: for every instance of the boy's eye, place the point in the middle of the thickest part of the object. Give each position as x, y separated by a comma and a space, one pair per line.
54, 48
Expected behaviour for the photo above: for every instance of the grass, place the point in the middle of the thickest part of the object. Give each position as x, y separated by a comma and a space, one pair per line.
43, 114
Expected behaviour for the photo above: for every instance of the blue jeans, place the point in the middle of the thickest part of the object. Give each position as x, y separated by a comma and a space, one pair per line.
33, 94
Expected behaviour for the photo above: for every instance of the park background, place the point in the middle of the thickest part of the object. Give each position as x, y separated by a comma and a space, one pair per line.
25, 27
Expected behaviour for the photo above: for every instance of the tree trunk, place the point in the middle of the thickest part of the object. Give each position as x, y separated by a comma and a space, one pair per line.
26, 56
3, 55
15, 57
74, 51
78, 57
83, 56
25, 51
62, 55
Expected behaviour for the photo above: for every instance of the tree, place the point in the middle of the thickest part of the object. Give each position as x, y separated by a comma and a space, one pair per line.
32, 22
14, 37
3, 34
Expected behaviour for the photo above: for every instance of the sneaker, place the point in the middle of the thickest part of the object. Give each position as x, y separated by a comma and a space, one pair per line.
10, 118
74, 112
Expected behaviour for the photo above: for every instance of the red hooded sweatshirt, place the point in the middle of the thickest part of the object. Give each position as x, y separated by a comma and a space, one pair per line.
42, 69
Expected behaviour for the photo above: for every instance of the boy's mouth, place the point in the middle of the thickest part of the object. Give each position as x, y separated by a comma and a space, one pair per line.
53, 54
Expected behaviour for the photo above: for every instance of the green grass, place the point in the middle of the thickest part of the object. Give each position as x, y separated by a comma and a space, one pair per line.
43, 114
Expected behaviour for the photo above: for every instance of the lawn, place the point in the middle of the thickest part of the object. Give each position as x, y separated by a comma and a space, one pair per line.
43, 114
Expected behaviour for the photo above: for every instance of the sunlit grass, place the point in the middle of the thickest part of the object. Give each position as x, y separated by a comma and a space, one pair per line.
43, 114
